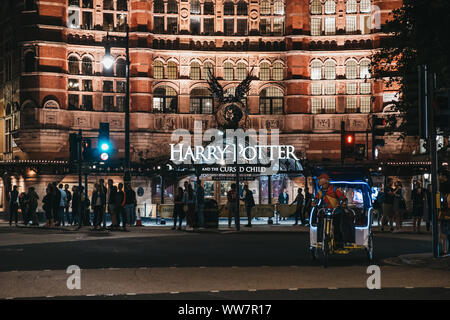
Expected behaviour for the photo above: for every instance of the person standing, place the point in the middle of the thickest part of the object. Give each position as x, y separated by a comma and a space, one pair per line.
388, 203
130, 204
98, 202
110, 202
308, 205
178, 212
32, 206
232, 198
189, 203
249, 202
62, 204
13, 205
299, 209
76, 205
113, 207
399, 206
23, 204
56, 197
104, 191
418, 198
68, 201
47, 206
200, 197
283, 198
378, 205
120, 207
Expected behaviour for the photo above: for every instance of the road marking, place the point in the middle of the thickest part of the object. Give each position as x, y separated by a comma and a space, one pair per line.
251, 290
214, 291
9, 298
293, 289
131, 294
90, 295
332, 288
174, 292
49, 296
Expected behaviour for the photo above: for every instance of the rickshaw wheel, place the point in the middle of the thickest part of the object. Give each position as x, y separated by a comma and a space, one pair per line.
369, 249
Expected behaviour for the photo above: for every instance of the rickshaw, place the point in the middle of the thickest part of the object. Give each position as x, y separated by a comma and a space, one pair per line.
356, 185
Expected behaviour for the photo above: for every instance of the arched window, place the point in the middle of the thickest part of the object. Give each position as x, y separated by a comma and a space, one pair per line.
121, 68
228, 8
194, 73
351, 6
207, 69
364, 69
264, 71
208, 8
172, 6
330, 69
351, 69
316, 7
242, 9
316, 70
264, 8
271, 101
278, 71
158, 70
172, 70
330, 7
165, 100
241, 71
201, 101
228, 72
278, 7
74, 65
365, 6
158, 6
29, 60
195, 7
86, 66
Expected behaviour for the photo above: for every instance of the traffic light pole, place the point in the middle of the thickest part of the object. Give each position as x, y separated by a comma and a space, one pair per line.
342, 142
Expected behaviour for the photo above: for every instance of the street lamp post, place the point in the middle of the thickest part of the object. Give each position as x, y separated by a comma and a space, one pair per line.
108, 63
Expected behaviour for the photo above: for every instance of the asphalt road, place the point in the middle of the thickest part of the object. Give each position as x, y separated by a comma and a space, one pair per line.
182, 249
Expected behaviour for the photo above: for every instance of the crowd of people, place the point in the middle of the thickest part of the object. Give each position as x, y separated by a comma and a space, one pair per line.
63, 206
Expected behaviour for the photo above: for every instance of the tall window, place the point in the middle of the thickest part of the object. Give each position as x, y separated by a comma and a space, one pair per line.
172, 70
208, 69
208, 8
195, 7
278, 71
271, 101
158, 70
158, 6
74, 65
365, 6
316, 89
351, 6
316, 26
351, 88
364, 69
330, 105
265, 8
228, 8
121, 68
278, 7
330, 26
330, 70
330, 89
351, 105
316, 7
330, 7
228, 72
316, 70
264, 71
228, 26
365, 88
201, 101
351, 69
242, 9
172, 6
316, 105
241, 71
195, 71
350, 26
165, 100
365, 104
86, 66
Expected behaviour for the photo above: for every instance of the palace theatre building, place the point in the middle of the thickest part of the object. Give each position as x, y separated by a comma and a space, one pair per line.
310, 60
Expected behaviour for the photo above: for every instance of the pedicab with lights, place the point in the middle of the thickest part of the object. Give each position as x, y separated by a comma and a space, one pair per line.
351, 215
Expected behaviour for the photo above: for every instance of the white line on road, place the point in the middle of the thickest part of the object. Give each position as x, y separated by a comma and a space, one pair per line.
90, 295
174, 292
293, 289
332, 288
131, 294
214, 291
252, 290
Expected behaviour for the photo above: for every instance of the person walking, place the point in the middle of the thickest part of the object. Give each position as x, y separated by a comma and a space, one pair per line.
189, 203
388, 203
67, 208
232, 198
47, 206
13, 205
23, 204
418, 197
299, 207
200, 199
32, 206
130, 204
76, 205
249, 202
120, 207
178, 213
98, 202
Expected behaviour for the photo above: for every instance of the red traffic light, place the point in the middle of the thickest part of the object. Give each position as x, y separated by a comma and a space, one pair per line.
349, 139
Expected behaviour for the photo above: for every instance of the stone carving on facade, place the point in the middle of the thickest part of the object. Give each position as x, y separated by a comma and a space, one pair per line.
273, 124
323, 124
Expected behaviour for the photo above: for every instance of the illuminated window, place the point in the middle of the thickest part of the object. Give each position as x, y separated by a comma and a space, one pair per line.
121, 22
350, 26
278, 8
365, 104
330, 70
365, 88
228, 72
165, 100
330, 26
264, 26
242, 9
316, 105
351, 88
330, 89
241, 71
228, 8
264, 9
278, 71
316, 89
195, 71
330, 105
316, 26
195, 25
73, 85
316, 70
365, 6
74, 65
195, 7
278, 26
172, 70
208, 69
351, 69
201, 101
364, 69
271, 101
351, 6
264, 71
316, 7
351, 105
158, 70
330, 7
